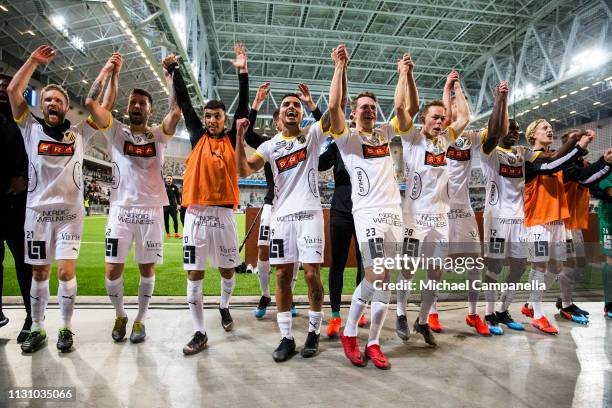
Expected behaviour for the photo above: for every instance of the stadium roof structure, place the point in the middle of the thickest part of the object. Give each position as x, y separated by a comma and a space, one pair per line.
555, 53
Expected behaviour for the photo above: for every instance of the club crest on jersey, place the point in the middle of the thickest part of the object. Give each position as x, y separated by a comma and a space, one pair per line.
458, 154
291, 160
435, 160
70, 136
373, 152
149, 135
463, 143
146, 150
55, 148
510, 171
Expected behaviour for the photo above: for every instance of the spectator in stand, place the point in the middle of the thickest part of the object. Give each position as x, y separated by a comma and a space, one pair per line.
174, 204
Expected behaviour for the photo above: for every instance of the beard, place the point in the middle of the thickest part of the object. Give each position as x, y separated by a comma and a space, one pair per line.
137, 119
53, 117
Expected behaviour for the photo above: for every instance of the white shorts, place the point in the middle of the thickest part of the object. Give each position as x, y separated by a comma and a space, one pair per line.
210, 233
297, 237
575, 243
264, 226
546, 242
426, 235
53, 233
379, 233
504, 237
463, 235
144, 226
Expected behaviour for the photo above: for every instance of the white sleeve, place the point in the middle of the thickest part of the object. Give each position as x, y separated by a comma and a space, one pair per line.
263, 150
529, 154
412, 136
25, 122
316, 132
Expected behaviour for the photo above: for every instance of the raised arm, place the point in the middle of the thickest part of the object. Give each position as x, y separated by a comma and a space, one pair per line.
413, 92
337, 118
42, 55
306, 97
463, 110
564, 149
245, 166
174, 111
251, 137
401, 97
110, 95
499, 117
100, 115
192, 121
242, 109
447, 98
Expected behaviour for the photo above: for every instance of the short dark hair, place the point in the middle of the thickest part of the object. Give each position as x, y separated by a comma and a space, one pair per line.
290, 95
7, 77
361, 95
140, 91
215, 104
276, 114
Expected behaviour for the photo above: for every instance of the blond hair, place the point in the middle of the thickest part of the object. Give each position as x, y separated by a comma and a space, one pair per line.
55, 87
530, 132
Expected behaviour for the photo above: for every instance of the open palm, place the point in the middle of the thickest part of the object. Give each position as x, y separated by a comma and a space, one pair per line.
43, 54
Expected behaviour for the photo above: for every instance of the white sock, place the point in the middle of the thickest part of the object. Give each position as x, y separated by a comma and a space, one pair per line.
145, 293
361, 296
263, 273
66, 296
567, 284
433, 308
506, 299
314, 321
196, 304
535, 298
227, 288
296, 270
537, 310
284, 324
428, 298
39, 298
114, 288
472, 275
402, 295
378, 312
490, 298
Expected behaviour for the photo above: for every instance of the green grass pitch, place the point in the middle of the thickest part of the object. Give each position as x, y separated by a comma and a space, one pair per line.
170, 277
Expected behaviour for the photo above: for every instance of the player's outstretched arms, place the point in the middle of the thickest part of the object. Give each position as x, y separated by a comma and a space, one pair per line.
174, 110
498, 121
463, 110
99, 114
337, 118
245, 166
42, 55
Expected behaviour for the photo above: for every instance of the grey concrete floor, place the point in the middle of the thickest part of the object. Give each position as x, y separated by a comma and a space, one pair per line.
519, 369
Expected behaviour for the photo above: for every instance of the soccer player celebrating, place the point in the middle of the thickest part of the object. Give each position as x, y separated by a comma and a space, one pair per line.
342, 228
546, 209
138, 194
254, 140
296, 227
375, 197
55, 209
13, 191
210, 193
545, 212
426, 204
464, 238
576, 178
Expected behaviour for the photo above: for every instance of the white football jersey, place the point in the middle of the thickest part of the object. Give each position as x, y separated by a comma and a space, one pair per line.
138, 160
426, 170
295, 162
55, 166
368, 160
459, 156
504, 171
